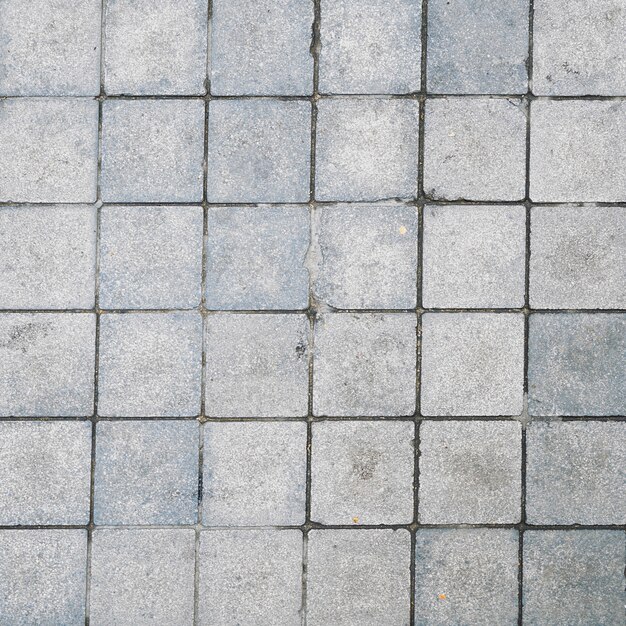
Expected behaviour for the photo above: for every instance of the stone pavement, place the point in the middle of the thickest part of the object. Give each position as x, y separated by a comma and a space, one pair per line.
332, 332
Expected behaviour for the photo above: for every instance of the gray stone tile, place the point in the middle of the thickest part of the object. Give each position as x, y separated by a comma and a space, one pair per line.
470, 472
250, 577
257, 365
146, 472
47, 257
254, 474
155, 47
150, 364
50, 48
472, 364
367, 256
261, 47
152, 150
358, 577
576, 364
150, 257
573, 577
48, 150
256, 258
466, 576
45, 468
362, 472
578, 151
372, 46
259, 151
364, 364
141, 577
576, 473
47, 364
366, 149
474, 256
42, 577
475, 149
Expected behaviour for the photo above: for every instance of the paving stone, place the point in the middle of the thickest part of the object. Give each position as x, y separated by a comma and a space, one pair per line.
48, 150
257, 365
254, 474
367, 256
474, 256
47, 257
43, 577
579, 48
364, 364
47, 364
152, 150
475, 149
250, 577
50, 48
576, 364
472, 364
155, 47
573, 577
578, 151
256, 258
146, 472
366, 149
45, 468
362, 472
466, 576
261, 47
141, 577
358, 577
150, 257
372, 46
259, 151
470, 472
477, 47
150, 364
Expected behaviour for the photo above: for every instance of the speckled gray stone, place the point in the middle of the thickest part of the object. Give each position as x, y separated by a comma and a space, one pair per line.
146, 472
470, 472
371, 46
259, 151
47, 364
155, 47
367, 256
364, 364
152, 150
362, 472
45, 468
574, 577
257, 365
150, 257
475, 149
358, 577
577, 364
366, 149
261, 47
256, 258
474, 256
250, 577
472, 364
141, 577
150, 364
578, 151
47, 257
254, 474
48, 150
466, 576
50, 48
42, 577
